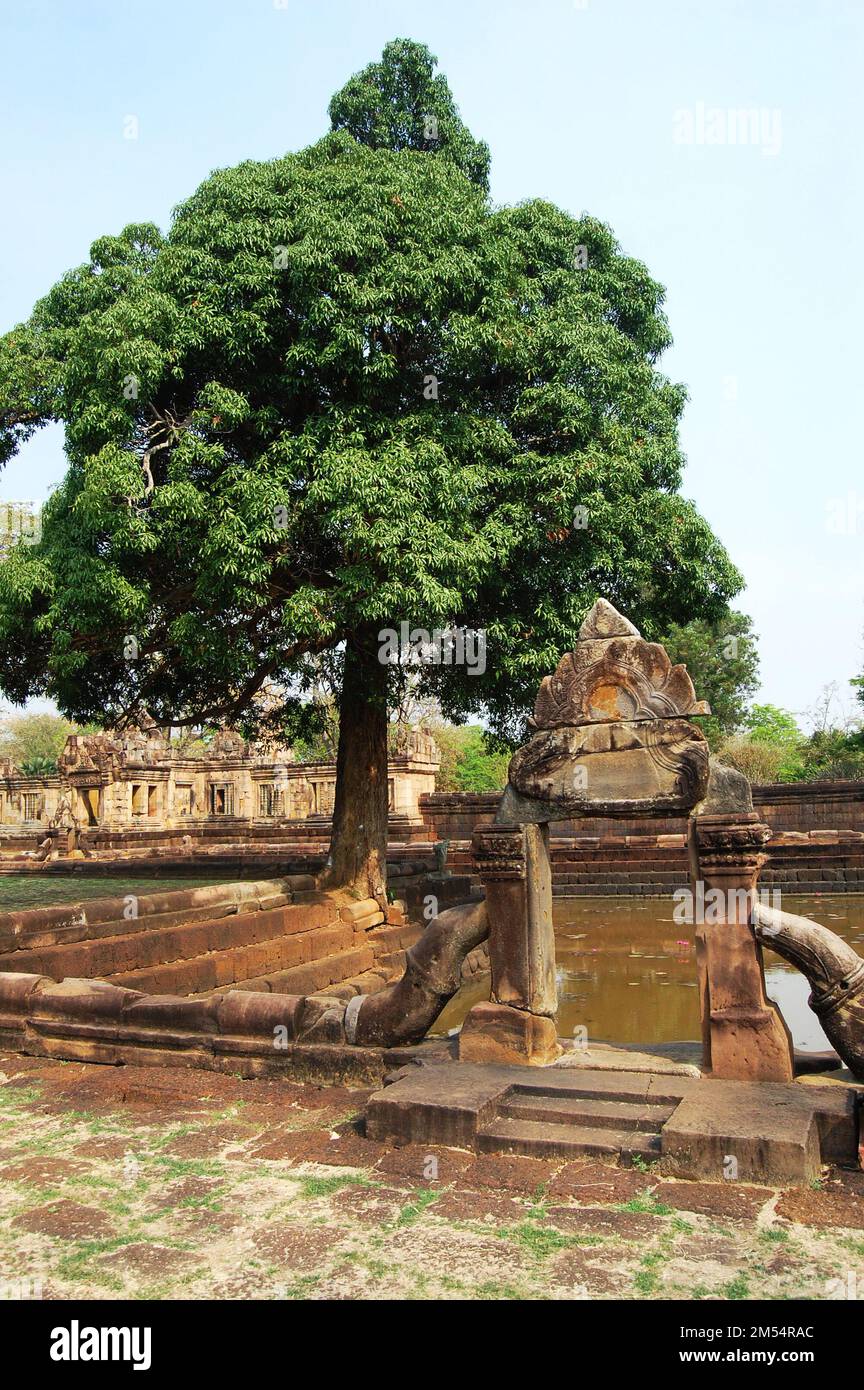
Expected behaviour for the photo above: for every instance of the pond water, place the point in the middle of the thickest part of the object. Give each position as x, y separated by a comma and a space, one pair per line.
627, 971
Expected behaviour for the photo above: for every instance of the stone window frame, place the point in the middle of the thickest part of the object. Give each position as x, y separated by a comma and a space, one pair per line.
228, 799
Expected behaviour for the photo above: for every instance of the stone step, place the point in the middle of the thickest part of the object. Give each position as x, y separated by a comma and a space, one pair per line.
232, 965
586, 1111
539, 1140
116, 956
393, 962
370, 982
395, 938
611, 890
313, 977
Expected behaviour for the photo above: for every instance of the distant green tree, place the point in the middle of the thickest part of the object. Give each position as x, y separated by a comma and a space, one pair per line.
467, 762
35, 740
833, 755
771, 724
768, 747
723, 662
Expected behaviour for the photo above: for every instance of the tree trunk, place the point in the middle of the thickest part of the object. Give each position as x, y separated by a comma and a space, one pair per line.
358, 843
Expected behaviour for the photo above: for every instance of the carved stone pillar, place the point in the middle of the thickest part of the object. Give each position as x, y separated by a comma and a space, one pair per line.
518, 1024
744, 1036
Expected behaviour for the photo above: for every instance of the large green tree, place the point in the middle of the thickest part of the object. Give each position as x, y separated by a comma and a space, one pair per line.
723, 661
344, 391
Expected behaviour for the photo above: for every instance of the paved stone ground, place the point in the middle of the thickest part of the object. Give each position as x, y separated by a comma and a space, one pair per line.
145, 1183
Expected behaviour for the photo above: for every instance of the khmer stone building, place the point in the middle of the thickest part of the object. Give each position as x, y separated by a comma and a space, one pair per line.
118, 781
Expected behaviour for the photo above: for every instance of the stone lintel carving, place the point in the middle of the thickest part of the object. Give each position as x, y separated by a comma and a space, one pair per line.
609, 769
611, 737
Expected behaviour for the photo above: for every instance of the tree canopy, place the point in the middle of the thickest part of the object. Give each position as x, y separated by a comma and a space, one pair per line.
401, 103
723, 663
341, 392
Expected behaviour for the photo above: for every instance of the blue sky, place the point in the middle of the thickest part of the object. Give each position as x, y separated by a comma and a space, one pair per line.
620, 108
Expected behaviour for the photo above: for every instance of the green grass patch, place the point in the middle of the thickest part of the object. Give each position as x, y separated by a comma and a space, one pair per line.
542, 1241
645, 1202
492, 1290
186, 1167
645, 1281
302, 1287
325, 1187
774, 1235
423, 1198
737, 1288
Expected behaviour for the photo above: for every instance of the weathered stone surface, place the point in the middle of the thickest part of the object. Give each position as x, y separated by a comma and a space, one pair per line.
832, 1207
483, 1206
599, 1182
605, 621
504, 1035
835, 972
66, 1219
744, 1034
424, 1165
614, 675
596, 1221
773, 1132
748, 1133
508, 1173
740, 1201
513, 863
425, 1106
727, 791
610, 769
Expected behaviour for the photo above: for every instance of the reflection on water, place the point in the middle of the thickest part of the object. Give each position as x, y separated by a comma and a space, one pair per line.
627, 971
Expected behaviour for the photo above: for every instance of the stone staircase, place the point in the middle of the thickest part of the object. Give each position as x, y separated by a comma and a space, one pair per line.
777, 1131
542, 1121
279, 936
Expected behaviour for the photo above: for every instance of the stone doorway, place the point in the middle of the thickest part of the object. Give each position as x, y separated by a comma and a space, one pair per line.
89, 803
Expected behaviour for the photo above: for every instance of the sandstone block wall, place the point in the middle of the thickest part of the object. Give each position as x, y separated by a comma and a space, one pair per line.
817, 845
250, 1034
276, 935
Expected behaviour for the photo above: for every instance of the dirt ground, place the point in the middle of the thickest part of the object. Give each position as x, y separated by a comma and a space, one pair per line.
141, 1183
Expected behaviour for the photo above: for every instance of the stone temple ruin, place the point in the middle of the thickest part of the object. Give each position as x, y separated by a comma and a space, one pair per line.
612, 736
138, 781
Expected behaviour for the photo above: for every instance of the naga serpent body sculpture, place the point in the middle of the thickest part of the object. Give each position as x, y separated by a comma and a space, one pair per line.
835, 972
405, 1011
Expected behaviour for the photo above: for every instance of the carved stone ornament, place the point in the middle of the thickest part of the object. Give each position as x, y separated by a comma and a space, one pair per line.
611, 737
614, 678
499, 853
597, 769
